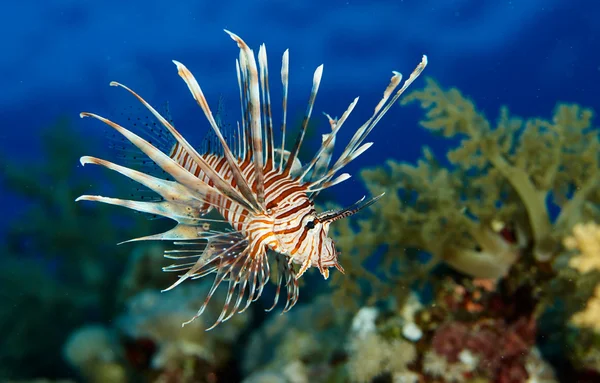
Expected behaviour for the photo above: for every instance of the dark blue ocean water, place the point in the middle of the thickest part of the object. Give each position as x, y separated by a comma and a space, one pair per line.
60, 55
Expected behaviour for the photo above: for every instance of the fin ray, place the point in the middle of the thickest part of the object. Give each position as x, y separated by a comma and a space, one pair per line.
174, 168
254, 115
198, 95
311, 102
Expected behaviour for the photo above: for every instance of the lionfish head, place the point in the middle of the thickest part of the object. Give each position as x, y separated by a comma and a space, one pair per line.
311, 245
319, 245
328, 256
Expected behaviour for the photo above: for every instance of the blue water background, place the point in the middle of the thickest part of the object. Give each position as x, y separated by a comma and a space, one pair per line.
59, 56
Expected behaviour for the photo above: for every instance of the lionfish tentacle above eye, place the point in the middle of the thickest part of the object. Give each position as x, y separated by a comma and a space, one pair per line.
259, 195
353, 150
311, 102
325, 152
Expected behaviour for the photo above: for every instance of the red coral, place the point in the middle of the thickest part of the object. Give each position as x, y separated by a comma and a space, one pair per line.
526, 330
449, 340
500, 347
512, 372
485, 342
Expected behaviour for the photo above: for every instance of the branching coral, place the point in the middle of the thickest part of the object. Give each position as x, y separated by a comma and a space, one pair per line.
430, 208
358, 242
590, 316
497, 208
487, 209
538, 158
348, 287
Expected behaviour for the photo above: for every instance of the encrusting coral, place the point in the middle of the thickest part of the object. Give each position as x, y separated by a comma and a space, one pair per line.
147, 341
371, 354
157, 317
537, 157
305, 347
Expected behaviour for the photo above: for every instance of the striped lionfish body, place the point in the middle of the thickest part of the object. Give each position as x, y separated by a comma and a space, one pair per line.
259, 190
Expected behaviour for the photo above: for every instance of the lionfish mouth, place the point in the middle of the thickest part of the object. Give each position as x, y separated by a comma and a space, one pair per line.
237, 176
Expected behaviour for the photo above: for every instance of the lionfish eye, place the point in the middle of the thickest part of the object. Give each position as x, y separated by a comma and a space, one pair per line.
310, 225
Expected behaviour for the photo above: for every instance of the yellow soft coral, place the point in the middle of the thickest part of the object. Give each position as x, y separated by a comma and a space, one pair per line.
586, 241
590, 316
434, 219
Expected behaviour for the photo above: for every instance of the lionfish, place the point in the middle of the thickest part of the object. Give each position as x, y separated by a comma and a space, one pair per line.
261, 191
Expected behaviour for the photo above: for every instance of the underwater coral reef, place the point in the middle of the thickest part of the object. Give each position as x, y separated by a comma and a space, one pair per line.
482, 265
486, 237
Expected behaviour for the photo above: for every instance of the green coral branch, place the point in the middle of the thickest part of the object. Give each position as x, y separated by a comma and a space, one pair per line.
571, 213
534, 200
536, 157
487, 215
